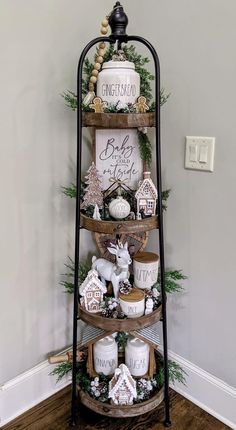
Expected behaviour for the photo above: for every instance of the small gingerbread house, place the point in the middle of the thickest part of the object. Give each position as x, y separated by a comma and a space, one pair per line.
92, 291
122, 387
146, 196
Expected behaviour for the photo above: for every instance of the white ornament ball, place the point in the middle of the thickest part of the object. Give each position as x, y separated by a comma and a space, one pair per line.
119, 208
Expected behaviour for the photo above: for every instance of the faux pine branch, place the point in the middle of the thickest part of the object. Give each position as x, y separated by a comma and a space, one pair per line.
61, 370
172, 278
176, 373
68, 283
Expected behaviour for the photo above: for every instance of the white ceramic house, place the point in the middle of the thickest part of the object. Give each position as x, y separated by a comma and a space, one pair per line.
92, 291
122, 387
146, 196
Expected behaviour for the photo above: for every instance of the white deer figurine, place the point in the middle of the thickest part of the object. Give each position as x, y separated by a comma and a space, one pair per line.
114, 272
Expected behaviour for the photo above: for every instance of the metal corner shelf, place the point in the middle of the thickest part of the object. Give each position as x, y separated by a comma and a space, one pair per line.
118, 22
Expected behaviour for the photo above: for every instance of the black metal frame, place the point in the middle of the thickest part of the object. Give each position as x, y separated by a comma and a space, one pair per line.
120, 39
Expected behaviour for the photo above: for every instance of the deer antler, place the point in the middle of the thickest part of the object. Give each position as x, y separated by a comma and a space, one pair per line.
112, 245
120, 245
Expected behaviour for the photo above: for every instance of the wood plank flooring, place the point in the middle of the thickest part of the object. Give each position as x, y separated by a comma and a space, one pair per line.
54, 414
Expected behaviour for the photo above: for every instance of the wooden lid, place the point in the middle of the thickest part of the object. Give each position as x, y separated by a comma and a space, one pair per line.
134, 296
146, 257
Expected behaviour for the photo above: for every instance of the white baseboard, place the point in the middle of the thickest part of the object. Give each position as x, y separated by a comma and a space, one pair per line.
208, 392
31, 387
27, 390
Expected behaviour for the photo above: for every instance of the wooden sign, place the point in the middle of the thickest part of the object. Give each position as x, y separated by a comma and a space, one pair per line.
117, 156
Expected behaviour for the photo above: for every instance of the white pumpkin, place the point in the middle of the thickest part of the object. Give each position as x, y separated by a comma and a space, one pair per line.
119, 208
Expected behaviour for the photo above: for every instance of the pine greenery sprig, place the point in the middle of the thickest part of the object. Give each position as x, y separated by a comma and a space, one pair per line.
145, 147
109, 53
87, 71
70, 191
61, 370
70, 99
176, 373
172, 277
81, 377
165, 195
163, 97
84, 268
145, 76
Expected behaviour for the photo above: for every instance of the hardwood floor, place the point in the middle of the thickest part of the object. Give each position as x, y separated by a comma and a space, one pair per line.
54, 414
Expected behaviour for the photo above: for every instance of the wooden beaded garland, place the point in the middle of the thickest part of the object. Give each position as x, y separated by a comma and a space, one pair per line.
97, 66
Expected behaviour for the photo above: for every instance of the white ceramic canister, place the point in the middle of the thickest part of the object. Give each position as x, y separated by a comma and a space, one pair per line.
145, 266
118, 81
105, 355
133, 304
137, 356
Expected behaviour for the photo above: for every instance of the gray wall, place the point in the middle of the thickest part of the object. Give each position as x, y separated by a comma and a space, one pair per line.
40, 42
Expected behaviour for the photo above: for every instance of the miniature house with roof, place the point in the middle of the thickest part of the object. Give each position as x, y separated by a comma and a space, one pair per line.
122, 387
92, 291
146, 196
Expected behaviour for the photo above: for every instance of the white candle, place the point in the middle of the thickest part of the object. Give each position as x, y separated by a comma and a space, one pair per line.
137, 356
105, 355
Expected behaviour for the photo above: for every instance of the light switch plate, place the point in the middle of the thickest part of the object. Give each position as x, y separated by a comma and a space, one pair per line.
199, 153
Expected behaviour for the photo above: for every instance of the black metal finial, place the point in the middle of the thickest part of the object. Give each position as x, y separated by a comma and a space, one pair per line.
118, 21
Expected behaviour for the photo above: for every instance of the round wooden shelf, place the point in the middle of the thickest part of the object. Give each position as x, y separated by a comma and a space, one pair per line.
118, 120
121, 411
116, 227
126, 325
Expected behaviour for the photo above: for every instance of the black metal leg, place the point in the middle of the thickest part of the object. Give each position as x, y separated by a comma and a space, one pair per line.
167, 421
77, 221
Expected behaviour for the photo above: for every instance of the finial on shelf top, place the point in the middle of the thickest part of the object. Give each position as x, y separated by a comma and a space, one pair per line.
118, 21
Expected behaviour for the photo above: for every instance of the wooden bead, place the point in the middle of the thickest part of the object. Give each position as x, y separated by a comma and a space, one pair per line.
97, 66
105, 22
102, 45
91, 86
104, 30
94, 72
93, 79
99, 59
101, 52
